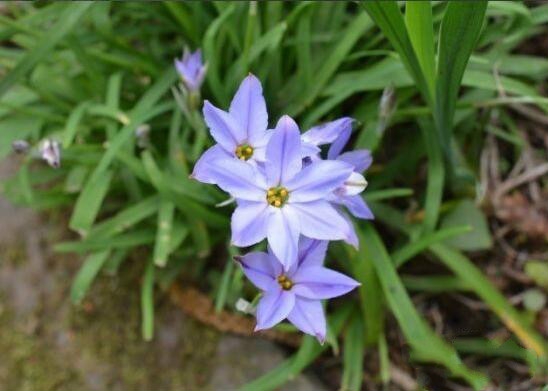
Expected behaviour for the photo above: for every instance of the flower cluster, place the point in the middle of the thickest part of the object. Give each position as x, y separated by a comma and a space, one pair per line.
287, 193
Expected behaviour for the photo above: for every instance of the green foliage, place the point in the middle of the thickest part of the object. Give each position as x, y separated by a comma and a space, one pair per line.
90, 74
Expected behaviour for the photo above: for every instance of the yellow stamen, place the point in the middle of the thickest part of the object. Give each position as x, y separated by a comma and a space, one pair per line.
244, 151
277, 196
285, 282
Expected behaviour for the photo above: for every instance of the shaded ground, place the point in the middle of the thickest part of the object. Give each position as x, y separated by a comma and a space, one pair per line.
46, 343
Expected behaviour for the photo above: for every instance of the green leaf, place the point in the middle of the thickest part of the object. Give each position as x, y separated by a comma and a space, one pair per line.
353, 356
466, 213
163, 236
71, 127
426, 345
459, 33
87, 273
359, 25
418, 19
414, 247
89, 203
538, 271
388, 17
147, 303
67, 20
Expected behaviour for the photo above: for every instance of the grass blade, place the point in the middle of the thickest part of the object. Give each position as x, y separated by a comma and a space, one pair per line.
353, 356
89, 202
418, 19
388, 17
67, 20
147, 303
87, 273
472, 276
427, 346
459, 33
163, 236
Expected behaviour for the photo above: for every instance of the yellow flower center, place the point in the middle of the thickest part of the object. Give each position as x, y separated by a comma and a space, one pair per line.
277, 196
285, 282
244, 151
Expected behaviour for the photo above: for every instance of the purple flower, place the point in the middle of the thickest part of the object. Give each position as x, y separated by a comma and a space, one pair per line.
296, 293
337, 133
191, 69
283, 200
241, 133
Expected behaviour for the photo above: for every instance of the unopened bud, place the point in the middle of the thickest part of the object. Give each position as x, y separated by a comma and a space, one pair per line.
20, 146
50, 152
142, 134
387, 103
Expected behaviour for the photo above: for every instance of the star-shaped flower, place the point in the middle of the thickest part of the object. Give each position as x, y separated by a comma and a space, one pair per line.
283, 200
296, 293
337, 133
241, 133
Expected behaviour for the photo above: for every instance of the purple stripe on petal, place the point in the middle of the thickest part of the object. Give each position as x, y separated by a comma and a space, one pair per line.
223, 128
248, 108
360, 159
321, 283
308, 316
320, 220
201, 170
241, 180
283, 152
261, 269
317, 180
338, 145
311, 251
283, 235
249, 223
274, 307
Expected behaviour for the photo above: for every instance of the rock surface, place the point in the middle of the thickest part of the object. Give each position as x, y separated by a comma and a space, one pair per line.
49, 344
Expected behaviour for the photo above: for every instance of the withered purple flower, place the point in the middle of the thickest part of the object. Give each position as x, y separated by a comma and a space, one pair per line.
50, 152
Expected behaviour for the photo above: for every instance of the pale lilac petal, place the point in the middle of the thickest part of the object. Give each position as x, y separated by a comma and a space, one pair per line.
360, 159
283, 152
338, 145
261, 269
357, 206
249, 223
328, 132
317, 180
274, 307
239, 179
248, 108
312, 251
320, 220
283, 234
309, 150
222, 127
259, 146
352, 237
308, 316
201, 170
318, 283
